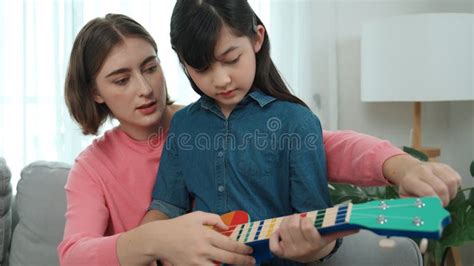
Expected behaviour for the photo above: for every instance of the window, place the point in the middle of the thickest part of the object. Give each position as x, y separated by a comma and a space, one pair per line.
37, 36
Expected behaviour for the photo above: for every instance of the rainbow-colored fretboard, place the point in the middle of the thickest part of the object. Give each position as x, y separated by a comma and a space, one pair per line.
261, 230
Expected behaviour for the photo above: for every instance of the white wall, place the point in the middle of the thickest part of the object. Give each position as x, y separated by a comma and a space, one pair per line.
447, 125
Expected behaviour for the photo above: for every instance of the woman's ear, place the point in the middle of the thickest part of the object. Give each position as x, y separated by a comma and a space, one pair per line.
97, 97
259, 38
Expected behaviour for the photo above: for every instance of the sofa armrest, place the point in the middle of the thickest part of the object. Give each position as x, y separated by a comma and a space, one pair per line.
40, 204
5, 211
363, 249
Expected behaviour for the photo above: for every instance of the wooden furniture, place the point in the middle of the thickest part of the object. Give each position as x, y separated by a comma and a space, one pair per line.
432, 153
453, 258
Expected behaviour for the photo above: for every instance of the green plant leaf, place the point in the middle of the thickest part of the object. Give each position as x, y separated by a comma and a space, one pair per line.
435, 252
459, 231
470, 198
456, 202
416, 153
345, 192
471, 168
461, 208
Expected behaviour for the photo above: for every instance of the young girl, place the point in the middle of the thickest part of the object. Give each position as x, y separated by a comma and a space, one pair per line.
247, 143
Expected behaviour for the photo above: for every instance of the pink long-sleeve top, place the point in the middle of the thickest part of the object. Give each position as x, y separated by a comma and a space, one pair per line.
109, 187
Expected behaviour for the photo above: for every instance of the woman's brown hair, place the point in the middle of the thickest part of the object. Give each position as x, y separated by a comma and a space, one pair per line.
91, 47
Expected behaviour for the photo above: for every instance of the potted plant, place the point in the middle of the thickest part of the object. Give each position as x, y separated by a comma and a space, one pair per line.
459, 232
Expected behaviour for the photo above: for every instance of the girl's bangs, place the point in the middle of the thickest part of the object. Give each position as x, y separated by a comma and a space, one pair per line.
198, 41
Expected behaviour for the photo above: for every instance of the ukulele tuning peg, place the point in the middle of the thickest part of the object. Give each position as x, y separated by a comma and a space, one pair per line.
419, 203
423, 245
387, 243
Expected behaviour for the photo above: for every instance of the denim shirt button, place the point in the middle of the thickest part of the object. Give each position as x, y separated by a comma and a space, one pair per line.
220, 188
220, 154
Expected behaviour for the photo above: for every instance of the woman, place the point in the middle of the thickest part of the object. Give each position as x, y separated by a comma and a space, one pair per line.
114, 72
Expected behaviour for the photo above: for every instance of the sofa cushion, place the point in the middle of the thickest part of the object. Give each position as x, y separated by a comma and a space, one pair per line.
5, 211
40, 204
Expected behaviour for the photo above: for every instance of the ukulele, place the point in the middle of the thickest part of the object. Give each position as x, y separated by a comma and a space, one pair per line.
410, 217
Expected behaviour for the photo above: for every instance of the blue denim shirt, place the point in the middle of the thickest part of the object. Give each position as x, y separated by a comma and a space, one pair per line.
267, 158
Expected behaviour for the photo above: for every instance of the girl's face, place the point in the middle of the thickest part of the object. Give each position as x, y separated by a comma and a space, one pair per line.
231, 76
132, 85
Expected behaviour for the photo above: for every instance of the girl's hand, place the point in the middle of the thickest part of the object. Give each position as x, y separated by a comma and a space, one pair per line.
190, 242
417, 179
297, 239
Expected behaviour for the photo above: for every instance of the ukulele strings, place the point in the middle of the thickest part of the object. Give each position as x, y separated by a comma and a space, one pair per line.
246, 235
264, 231
329, 212
275, 221
376, 216
355, 207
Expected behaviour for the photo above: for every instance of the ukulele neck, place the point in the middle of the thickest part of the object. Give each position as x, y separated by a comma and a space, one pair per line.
262, 230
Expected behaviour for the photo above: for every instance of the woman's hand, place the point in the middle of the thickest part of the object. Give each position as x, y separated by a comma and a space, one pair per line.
297, 239
185, 240
417, 179
189, 242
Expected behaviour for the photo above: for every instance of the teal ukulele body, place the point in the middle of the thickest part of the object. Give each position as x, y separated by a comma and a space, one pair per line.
409, 217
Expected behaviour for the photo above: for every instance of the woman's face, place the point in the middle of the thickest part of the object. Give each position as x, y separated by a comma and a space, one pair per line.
132, 85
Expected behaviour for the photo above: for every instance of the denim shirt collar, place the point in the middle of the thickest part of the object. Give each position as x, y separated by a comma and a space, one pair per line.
260, 97
257, 95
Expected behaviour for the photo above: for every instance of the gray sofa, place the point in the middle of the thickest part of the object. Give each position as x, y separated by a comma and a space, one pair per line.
31, 224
